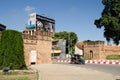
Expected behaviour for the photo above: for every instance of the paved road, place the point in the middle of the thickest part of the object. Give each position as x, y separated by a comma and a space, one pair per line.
108, 68
70, 72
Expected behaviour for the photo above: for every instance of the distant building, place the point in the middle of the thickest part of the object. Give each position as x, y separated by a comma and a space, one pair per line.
79, 48
2, 27
58, 48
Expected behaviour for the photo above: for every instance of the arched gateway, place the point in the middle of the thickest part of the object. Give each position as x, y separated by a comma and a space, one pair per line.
37, 39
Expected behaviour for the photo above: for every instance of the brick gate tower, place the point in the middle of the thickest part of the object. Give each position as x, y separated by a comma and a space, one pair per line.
37, 39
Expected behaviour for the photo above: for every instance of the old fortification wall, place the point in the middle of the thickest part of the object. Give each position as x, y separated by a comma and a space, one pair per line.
111, 50
98, 50
93, 49
38, 41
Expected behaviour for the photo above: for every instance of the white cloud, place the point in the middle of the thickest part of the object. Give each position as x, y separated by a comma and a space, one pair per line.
29, 8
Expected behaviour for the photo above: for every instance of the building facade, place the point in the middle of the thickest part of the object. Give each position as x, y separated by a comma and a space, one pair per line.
79, 48
58, 48
37, 39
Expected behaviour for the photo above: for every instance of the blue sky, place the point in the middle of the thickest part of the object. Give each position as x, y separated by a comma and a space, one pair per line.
70, 15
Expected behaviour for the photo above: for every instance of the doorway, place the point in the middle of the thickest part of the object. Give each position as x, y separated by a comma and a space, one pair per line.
33, 56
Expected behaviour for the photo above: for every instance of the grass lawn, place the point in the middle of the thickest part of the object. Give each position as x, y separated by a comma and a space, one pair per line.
19, 76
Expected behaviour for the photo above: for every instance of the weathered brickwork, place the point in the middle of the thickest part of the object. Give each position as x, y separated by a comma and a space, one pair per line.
97, 50
109, 50
38, 41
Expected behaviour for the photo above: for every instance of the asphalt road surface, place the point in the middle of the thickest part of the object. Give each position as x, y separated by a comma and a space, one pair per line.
71, 72
108, 68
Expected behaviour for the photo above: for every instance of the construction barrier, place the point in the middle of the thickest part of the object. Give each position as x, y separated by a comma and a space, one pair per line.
93, 61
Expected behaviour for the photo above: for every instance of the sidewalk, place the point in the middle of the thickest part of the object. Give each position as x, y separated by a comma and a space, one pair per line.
66, 72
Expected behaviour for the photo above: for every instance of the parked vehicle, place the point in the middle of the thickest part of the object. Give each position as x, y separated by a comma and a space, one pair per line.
77, 59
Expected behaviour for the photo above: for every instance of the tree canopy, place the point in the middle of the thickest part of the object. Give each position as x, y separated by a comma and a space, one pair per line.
71, 39
11, 50
110, 20
0, 34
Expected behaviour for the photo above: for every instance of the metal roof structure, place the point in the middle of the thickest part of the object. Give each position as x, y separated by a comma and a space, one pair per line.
2, 27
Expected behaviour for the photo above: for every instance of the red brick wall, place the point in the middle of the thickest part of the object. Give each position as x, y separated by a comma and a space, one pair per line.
111, 50
100, 51
41, 43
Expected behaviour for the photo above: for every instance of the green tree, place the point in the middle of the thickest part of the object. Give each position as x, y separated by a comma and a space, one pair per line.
71, 39
110, 20
87, 41
0, 34
11, 50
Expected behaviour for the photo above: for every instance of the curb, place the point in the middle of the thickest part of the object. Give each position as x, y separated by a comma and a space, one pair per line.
102, 61
93, 61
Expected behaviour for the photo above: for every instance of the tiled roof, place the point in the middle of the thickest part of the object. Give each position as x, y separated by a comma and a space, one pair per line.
80, 44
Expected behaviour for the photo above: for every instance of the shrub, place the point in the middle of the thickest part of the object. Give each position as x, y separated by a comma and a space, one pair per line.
0, 34
113, 57
11, 50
